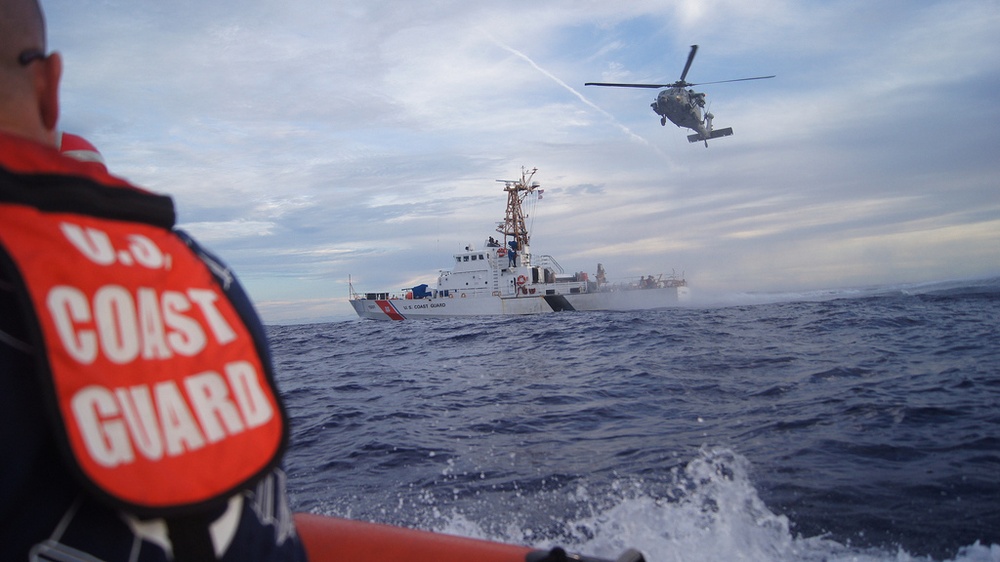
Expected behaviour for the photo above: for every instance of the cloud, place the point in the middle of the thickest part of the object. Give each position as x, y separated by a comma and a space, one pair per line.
311, 141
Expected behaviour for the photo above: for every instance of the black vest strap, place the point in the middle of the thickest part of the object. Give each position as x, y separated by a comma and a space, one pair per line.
191, 539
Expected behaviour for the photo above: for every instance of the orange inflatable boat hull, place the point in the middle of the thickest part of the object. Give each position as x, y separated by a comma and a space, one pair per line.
329, 539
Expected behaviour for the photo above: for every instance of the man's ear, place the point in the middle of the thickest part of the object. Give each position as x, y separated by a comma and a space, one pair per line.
47, 90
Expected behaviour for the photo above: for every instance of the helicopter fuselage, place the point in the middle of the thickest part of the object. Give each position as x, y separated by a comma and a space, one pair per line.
683, 108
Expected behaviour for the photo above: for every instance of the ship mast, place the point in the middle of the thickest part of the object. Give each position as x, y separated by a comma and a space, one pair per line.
514, 225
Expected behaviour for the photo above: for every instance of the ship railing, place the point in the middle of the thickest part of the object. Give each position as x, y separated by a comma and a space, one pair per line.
467, 292
371, 296
546, 260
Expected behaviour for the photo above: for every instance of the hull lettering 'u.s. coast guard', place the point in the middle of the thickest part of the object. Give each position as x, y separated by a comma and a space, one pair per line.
506, 278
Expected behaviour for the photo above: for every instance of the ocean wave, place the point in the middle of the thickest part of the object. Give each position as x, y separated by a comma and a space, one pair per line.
705, 509
862, 426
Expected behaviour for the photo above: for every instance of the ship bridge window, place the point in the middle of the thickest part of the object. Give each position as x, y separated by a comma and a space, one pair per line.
465, 258
474, 258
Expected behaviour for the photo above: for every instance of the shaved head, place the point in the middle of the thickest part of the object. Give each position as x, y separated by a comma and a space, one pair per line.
29, 90
22, 25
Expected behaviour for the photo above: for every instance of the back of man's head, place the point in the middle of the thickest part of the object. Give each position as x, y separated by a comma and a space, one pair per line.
29, 79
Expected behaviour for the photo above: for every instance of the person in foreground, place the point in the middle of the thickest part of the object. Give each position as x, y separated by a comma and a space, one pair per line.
139, 419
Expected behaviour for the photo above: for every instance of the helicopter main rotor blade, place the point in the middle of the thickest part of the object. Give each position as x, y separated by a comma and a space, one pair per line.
627, 85
687, 65
736, 80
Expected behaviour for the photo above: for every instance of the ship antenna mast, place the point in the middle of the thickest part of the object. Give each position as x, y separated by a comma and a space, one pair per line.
514, 226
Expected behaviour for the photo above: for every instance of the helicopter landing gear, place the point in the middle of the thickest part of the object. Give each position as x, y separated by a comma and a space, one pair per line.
663, 121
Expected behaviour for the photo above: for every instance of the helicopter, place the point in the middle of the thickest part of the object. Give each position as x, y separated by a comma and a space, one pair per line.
683, 106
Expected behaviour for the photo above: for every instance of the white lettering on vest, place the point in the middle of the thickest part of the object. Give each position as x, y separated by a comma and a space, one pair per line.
145, 252
210, 398
114, 311
178, 426
92, 243
205, 299
97, 247
96, 411
137, 406
154, 343
158, 420
68, 306
249, 395
186, 336
124, 327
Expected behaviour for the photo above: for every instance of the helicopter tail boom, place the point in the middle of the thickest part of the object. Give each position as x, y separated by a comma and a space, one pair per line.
717, 133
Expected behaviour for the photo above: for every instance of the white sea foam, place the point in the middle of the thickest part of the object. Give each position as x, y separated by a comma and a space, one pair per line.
709, 298
714, 514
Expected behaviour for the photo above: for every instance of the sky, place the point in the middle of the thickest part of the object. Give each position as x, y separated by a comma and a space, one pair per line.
313, 142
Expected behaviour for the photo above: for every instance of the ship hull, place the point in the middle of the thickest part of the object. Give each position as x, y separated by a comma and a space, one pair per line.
518, 305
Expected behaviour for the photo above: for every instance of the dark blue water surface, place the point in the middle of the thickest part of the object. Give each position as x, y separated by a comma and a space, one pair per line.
861, 426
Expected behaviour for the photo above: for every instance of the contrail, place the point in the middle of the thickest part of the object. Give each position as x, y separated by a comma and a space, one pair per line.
610, 117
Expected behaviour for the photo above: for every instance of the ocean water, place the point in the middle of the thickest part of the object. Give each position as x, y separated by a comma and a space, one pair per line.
839, 425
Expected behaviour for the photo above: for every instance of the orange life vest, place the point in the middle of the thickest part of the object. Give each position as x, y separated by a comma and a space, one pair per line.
158, 388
